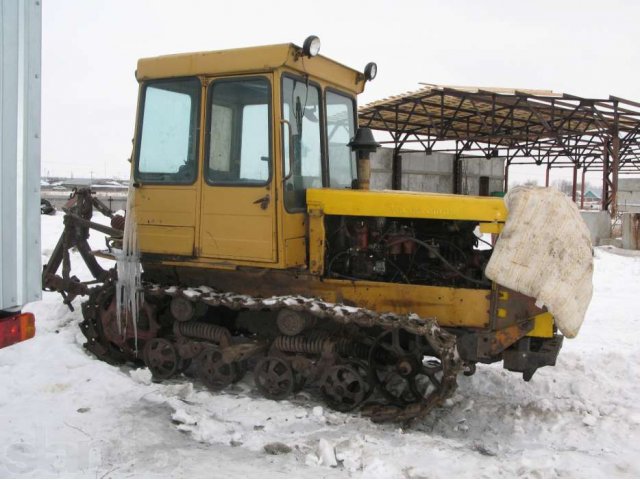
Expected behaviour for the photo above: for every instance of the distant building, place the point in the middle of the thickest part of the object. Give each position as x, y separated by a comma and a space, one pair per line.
110, 191
590, 196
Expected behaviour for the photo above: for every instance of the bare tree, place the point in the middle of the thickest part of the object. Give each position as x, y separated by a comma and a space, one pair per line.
565, 186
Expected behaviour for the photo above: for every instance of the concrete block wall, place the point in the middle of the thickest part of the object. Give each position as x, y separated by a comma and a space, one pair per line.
599, 224
473, 168
629, 195
631, 231
422, 173
381, 163
434, 173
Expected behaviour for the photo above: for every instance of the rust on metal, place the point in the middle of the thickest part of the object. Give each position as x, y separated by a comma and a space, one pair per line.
498, 341
319, 358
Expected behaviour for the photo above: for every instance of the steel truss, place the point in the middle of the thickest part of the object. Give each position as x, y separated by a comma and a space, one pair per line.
537, 127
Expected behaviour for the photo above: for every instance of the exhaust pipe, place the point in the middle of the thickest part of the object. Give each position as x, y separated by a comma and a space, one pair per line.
363, 144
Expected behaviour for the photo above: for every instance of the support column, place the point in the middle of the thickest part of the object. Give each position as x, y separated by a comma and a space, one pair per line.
506, 176
546, 177
457, 174
584, 171
615, 166
575, 183
610, 167
396, 171
455, 170
605, 175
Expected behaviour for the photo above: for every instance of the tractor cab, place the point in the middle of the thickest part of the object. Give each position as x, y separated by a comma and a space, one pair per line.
227, 144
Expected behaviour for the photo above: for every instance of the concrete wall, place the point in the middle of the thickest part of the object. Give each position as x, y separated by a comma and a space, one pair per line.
473, 168
631, 231
629, 195
381, 169
434, 173
599, 224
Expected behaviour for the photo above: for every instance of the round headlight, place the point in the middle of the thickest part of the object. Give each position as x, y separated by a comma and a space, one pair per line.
370, 71
311, 46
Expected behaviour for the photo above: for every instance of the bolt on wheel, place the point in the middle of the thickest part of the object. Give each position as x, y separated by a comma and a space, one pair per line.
274, 377
162, 358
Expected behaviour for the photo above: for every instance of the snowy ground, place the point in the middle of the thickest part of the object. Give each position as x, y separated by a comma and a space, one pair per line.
64, 413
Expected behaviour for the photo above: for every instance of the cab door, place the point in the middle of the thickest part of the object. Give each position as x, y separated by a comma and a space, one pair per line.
166, 160
238, 214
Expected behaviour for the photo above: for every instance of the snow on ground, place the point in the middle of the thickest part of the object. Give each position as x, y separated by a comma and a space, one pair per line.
65, 413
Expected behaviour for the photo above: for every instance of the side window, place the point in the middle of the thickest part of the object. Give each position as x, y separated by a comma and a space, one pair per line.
238, 132
300, 107
168, 144
340, 131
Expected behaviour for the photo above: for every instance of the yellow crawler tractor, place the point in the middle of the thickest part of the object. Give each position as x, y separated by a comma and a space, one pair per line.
262, 248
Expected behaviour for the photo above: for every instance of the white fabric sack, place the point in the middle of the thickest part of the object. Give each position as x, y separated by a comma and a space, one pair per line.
544, 251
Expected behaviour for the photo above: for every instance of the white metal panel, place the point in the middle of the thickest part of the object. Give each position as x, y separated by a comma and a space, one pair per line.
20, 47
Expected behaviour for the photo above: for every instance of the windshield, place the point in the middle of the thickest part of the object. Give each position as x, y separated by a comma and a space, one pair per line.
340, 131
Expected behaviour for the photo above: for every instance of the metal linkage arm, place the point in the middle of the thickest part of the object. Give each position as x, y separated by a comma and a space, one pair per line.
77, 225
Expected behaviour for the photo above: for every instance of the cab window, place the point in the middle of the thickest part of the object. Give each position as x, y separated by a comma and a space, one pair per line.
239, 150
301, 109
168, 134
340, 131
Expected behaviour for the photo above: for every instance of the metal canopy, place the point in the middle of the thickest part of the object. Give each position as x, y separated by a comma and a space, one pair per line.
523, 126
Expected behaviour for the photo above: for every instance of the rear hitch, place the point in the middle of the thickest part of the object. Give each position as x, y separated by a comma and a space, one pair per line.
77, 225
531, 353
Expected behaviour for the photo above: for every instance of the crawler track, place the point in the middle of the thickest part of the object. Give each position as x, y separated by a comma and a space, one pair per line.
350, 361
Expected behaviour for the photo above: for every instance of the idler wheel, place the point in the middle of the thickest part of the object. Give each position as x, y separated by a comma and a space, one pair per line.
274, 377
214, 371
344, 388
162, 358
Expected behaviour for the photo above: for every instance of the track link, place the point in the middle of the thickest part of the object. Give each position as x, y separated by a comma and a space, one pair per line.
440, 341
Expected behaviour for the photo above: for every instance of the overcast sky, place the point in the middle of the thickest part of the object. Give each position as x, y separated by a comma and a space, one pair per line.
90, 49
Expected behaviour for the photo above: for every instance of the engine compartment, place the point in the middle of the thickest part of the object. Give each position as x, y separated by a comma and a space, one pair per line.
400, 250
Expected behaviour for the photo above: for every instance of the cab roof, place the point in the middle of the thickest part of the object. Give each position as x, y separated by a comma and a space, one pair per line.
250, 60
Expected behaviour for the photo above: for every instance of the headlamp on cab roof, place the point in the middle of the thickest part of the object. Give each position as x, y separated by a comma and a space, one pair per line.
311, 46
370, 71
